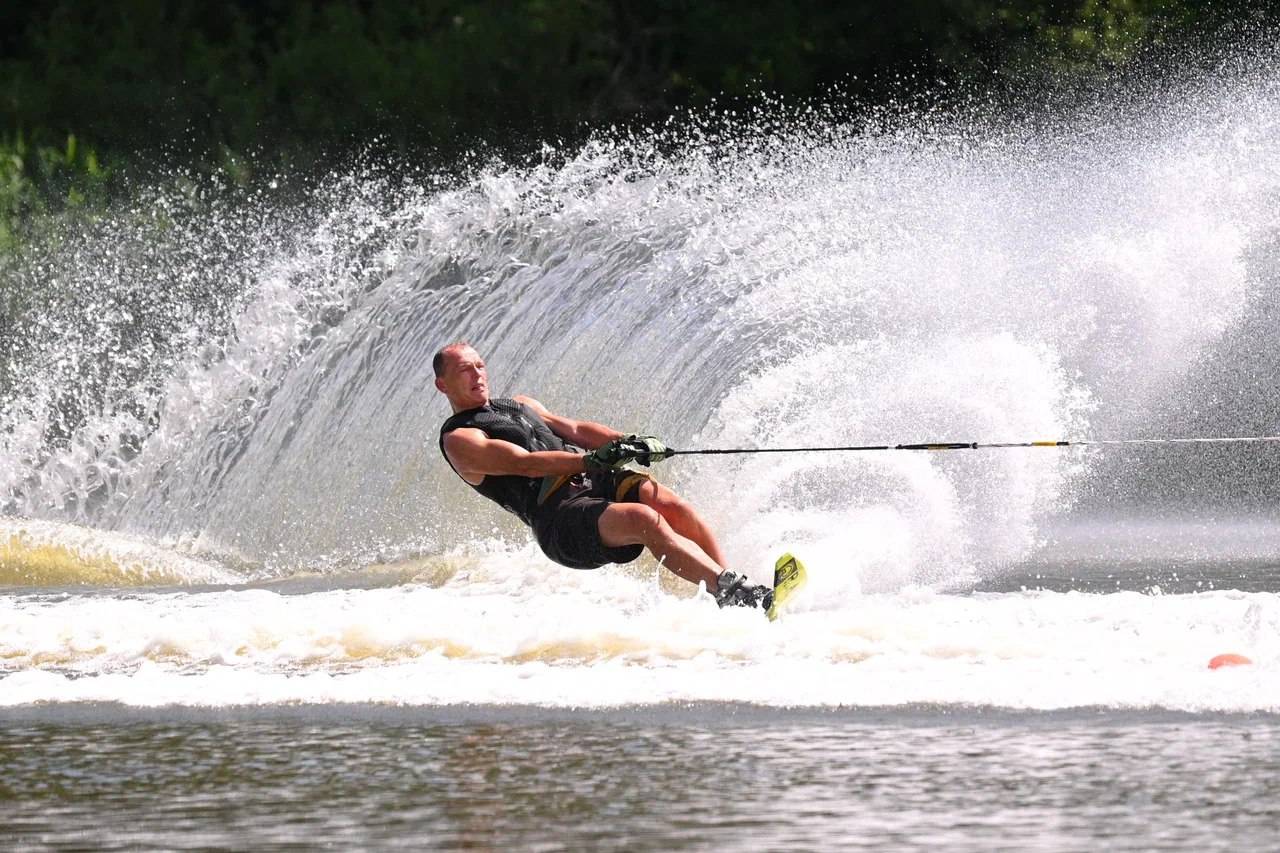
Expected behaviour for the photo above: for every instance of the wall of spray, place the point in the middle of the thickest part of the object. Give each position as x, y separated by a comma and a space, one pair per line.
731, 280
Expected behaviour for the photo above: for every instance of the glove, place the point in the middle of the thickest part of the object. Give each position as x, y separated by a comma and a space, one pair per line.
606, 457
644, 449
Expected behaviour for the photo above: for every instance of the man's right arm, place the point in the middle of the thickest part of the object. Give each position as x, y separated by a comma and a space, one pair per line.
474, 453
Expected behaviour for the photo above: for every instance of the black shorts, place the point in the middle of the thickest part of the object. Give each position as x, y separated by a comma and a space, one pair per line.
567, 525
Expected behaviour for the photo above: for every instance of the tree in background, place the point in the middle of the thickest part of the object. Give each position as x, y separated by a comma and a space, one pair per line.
190, 82
146, 74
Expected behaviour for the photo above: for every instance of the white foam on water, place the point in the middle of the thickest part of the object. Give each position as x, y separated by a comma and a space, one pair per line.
607, 639
37, 554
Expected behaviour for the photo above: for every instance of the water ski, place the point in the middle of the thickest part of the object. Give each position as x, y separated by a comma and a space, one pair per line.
788, 576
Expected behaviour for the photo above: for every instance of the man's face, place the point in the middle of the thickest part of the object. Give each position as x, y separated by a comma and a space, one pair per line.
465, 381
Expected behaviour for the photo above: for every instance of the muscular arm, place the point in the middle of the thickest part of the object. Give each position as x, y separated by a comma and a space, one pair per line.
586, 434
475, 455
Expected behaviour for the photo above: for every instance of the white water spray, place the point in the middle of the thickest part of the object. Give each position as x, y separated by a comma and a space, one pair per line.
773, 283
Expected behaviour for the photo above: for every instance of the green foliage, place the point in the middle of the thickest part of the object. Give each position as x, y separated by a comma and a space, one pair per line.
1095, 34
192, 83
37, 181
149, 75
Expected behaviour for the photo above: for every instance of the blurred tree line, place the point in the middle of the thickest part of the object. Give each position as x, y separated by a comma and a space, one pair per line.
89, 90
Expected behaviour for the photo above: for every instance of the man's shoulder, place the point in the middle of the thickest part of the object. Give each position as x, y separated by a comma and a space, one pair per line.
468, 432
526, 400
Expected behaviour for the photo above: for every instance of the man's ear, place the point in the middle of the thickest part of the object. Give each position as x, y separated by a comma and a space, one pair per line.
439, 384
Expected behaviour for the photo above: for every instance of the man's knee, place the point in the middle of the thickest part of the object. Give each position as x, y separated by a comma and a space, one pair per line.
637, 523
666, 502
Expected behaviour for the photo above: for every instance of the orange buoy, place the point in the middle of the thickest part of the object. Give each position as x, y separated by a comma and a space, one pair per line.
1228, 660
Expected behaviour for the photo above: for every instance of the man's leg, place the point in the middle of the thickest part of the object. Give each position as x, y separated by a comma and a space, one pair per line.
639, 524
682, 517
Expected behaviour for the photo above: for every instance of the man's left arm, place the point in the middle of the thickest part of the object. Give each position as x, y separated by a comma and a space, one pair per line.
585, 434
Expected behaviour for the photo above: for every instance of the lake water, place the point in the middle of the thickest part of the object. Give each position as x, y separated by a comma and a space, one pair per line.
706, 776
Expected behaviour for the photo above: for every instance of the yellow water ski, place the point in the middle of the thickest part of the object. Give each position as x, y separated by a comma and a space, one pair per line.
788, 576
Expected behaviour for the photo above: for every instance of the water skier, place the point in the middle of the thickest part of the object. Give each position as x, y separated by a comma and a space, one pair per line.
585, 509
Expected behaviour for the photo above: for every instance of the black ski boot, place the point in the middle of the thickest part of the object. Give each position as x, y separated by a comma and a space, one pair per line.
734, 591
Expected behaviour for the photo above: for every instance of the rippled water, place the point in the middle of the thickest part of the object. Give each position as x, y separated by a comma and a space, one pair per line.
671, 777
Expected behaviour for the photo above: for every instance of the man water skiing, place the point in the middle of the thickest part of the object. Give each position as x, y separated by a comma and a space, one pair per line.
585, 509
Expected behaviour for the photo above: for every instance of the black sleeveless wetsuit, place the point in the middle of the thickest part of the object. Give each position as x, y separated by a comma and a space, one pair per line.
564, 512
